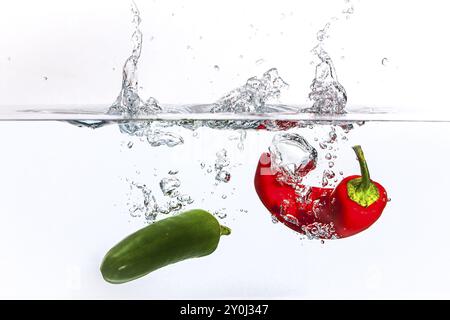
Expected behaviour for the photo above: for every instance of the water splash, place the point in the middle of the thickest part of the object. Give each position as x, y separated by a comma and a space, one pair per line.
129, 103
253, 96
327, 94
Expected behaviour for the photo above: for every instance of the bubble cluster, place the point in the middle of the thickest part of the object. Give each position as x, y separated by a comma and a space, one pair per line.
252, 96
222, 161
319, 230
151, 204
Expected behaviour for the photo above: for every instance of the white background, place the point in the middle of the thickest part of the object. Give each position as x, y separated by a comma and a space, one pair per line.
63, 194
81, 47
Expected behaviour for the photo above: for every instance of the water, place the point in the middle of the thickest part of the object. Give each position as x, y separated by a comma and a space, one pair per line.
292, 156
70, 198
69, 193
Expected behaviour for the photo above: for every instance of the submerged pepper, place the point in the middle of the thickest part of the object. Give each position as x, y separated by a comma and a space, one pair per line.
353, 206
283, 201
357, 202
191, 234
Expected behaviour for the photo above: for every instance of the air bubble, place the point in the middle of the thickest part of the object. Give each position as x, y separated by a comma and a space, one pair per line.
169, 186
223, 176
332, 135
220, 214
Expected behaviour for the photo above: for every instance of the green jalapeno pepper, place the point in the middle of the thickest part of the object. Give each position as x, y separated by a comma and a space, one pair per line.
191, 234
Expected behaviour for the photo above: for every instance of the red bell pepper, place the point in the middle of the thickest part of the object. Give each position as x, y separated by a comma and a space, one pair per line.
357, 202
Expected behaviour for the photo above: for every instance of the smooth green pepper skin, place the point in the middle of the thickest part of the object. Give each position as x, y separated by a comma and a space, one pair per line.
191, 234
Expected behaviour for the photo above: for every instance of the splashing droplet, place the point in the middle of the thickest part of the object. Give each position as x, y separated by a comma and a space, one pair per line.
323, 33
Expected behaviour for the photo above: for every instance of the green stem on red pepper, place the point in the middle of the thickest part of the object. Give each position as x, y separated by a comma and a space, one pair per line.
362, 190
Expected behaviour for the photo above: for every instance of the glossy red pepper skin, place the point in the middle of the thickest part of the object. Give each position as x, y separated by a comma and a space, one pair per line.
281, 199
353, 206
348, 216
